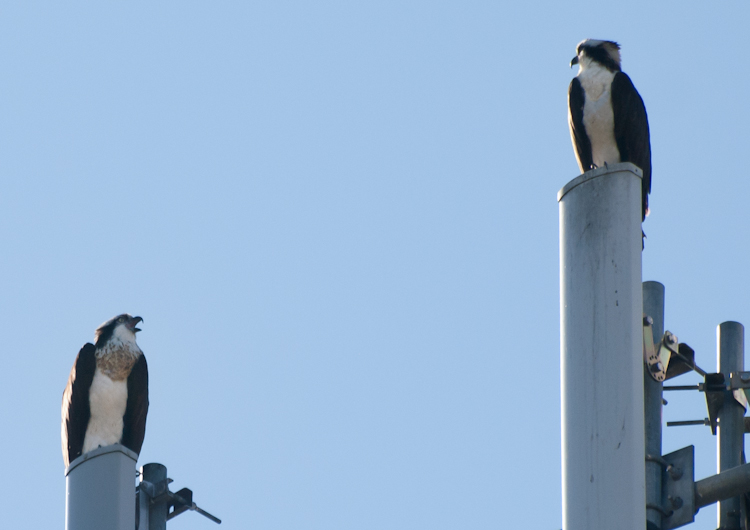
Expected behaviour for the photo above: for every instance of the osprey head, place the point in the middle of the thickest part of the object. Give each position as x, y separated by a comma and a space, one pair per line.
121, 324
603, 52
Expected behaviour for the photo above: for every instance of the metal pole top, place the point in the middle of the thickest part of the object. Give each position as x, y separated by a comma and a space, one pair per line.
731, 325
99, 452
599, 172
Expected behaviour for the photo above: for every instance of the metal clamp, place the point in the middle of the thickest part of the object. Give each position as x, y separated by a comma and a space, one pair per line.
657, 360
739, 384
179, 502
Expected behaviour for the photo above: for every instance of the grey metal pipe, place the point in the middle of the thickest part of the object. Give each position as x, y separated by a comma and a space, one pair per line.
653, 306
723, 486
601, 305
156, 474
730, 338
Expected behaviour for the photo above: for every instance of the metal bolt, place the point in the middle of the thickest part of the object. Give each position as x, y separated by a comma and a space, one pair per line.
671, 339
675, 473
648, 321
676, 502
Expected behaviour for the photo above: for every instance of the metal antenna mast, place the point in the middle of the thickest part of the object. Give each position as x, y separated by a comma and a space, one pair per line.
601, 307
615, 356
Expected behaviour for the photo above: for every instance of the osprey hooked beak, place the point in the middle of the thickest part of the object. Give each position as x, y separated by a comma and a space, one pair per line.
132, 323
574, 61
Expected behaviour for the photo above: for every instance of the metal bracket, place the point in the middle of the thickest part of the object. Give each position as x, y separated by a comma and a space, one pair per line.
178, 502
182, 501
740, 397
739, 384
658, 361
649, 353
714, 387
156, 491
739, 380
683, 362
677, 487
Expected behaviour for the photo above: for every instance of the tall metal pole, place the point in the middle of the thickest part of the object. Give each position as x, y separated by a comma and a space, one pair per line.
730, 338
601, 306
653, 306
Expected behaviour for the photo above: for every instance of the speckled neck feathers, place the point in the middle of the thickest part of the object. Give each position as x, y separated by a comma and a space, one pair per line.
116, 357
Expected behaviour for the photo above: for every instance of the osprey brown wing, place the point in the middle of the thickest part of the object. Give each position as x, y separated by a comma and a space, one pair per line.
75, 404
631, 130
134, 421
581, 142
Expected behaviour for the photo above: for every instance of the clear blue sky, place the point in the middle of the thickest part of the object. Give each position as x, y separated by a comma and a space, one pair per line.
339, 222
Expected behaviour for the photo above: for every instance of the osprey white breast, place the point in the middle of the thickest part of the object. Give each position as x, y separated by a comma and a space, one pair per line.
107, 400
598, 117
108, 395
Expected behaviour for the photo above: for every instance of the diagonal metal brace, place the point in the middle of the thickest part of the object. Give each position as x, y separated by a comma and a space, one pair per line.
179, 502
182, 501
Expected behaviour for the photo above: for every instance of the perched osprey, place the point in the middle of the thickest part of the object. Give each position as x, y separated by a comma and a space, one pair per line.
106, 399
608, 122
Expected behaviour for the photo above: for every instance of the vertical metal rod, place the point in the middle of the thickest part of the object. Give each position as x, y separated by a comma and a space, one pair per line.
730, 339
157, 513
601, 341
653, 306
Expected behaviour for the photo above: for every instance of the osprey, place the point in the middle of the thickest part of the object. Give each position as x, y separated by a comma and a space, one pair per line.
608, 122
106, 399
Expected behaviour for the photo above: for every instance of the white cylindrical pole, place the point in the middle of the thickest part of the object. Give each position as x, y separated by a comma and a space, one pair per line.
601, 336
